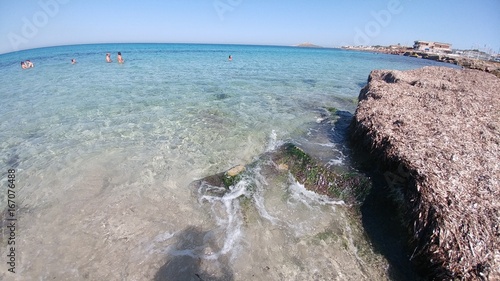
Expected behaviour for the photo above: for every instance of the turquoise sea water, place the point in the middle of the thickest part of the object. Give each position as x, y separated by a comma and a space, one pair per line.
104, 154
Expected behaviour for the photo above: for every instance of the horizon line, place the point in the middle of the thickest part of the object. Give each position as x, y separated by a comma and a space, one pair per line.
179, 43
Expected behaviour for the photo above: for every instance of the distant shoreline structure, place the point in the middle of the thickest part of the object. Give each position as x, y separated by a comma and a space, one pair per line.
472, 59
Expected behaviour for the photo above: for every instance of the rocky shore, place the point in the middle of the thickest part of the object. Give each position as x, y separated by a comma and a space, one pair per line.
436, 132
470, 63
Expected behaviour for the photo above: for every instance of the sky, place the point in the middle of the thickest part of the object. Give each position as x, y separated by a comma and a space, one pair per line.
466, 24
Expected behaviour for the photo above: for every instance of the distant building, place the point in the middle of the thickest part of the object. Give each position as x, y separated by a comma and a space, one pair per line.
433, 47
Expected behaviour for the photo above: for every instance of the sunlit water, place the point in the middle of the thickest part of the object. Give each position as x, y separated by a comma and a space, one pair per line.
105, 153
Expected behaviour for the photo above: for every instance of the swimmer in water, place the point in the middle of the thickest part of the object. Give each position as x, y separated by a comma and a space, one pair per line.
119, 58
108, 57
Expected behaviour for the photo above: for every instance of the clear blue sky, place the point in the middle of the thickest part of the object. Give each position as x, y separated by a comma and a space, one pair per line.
30, 24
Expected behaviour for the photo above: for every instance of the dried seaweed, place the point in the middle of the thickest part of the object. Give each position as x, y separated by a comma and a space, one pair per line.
443, 126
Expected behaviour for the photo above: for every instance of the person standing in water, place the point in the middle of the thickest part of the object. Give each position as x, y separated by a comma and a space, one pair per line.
73, 61
108, 57
230, 57
119, 58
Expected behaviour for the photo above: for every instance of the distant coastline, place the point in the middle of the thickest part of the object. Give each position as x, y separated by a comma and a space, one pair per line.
489, 66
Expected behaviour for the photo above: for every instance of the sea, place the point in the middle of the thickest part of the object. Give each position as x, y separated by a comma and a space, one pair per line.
97, 162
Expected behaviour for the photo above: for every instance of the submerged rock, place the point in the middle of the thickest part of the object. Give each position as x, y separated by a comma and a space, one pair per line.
437, 132
351, 187
224, 179
233, 172
348, 186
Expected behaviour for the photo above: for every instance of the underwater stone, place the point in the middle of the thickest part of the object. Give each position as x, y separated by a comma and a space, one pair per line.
352, 187
349, 186
236, 170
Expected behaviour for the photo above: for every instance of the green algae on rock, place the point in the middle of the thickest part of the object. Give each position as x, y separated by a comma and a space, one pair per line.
348, 186
352, 187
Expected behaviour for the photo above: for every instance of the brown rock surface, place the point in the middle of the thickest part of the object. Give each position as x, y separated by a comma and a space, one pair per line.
443, 126
236, 170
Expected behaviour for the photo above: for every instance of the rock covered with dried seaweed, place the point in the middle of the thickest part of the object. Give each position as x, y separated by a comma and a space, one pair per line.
441, 127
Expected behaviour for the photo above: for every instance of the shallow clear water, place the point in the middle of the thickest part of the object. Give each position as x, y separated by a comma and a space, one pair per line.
104, 155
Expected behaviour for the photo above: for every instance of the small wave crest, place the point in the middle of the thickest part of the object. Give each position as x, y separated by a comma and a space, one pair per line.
273, 142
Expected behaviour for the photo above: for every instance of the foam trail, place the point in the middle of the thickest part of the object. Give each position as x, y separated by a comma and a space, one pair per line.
227, 213
258, 197
338, 161
285, 215
159, 239
308, 198
273, 142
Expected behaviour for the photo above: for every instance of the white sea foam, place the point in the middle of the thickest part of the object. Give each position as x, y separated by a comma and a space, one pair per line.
309, 198
290, 214
336, 162
226, 211
273, 141
330, 144
258, 196
339, 159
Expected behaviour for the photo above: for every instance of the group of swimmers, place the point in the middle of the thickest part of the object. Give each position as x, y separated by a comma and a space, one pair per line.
118, 57
28, 64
